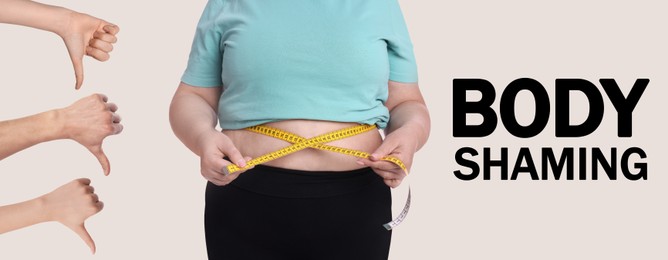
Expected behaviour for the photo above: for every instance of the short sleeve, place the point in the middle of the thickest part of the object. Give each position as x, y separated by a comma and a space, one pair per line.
206, 54
403, 67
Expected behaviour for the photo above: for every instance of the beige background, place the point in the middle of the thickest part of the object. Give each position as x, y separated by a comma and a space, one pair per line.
154, 196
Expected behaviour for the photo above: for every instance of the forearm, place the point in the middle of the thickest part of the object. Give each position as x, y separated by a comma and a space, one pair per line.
19, 134
413, 117
190, 116
21, 215
33, 14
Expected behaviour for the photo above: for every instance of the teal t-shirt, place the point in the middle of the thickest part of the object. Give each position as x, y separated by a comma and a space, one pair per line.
301, 59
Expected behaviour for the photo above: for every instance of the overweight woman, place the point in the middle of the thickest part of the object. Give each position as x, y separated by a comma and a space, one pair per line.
307, 67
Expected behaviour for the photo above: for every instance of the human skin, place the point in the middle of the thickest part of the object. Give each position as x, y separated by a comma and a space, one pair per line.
82, 33
193, 118
70, 205
87, 121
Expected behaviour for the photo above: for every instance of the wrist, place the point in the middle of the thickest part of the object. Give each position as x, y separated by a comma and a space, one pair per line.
411, 133
56, 126
201, 139
62, 19
40, 210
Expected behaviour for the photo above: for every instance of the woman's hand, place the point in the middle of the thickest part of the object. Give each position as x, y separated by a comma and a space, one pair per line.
401, 144
214, 146
88, 121
406, 132
70, 205
85, 34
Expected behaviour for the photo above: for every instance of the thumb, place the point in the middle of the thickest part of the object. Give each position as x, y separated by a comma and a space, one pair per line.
80, 229
383, 150
99, 154
76, 51
235, 157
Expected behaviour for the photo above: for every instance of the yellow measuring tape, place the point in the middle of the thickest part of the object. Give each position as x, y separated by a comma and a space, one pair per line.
319, 142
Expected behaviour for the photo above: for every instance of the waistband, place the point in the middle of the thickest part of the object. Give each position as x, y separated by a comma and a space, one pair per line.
290, 183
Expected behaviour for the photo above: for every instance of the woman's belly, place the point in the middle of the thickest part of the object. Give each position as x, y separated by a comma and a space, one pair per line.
254, 145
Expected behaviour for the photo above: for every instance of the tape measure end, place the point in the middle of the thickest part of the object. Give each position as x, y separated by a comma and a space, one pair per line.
387, 226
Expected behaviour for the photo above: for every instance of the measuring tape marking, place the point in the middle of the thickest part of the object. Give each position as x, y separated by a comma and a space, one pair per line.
295, 140
299, 143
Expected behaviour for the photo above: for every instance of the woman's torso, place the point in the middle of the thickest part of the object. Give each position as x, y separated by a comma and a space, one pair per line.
305, 68
254, 145
315, 60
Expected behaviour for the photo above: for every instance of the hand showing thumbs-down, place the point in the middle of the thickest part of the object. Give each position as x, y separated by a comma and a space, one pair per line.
70, 205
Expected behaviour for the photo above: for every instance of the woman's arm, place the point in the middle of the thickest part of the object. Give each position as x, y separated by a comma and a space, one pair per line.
88, 121
407, 131
192, 113
70, 205
408, 110
193, 117
82, 33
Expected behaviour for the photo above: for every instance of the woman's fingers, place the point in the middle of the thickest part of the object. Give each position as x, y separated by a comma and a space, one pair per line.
216, 178
392, 183
101, 45
391, 173
214, 169
111, 29
212, 175
235, 156
218, 153
381, 165
105, 37
97, 54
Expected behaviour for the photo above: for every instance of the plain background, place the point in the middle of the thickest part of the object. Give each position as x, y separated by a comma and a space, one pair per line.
154, 196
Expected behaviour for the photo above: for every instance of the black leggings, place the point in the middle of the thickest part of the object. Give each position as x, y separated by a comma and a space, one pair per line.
271, 213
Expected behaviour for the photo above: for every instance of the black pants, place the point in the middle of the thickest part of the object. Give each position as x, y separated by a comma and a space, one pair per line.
271, 213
